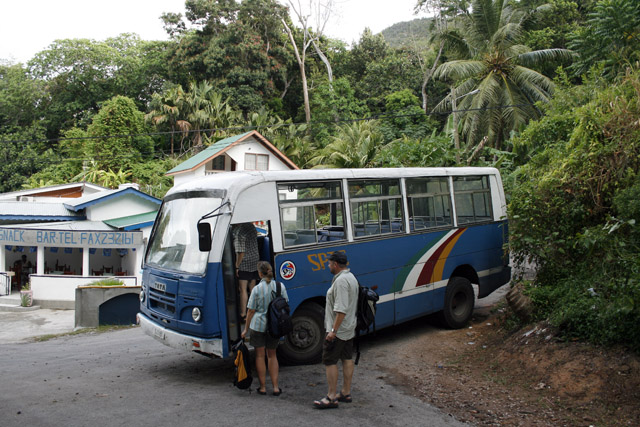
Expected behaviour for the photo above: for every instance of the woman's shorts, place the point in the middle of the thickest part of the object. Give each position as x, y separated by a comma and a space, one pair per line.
248, 275
262, 339
335, 350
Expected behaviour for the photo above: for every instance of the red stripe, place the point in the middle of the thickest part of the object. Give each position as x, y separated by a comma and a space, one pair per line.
427, 270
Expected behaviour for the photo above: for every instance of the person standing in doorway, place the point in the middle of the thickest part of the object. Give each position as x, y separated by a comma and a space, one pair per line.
245, 242
340, 325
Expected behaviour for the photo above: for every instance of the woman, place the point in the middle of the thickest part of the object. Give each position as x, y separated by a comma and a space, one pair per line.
257, 307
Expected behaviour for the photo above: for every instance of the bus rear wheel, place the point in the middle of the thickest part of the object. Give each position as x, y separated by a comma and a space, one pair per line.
304, 344
458, 303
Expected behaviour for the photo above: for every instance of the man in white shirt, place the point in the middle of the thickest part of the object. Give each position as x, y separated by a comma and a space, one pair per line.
340, 324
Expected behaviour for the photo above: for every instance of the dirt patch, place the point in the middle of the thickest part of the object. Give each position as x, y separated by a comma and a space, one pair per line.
486, 375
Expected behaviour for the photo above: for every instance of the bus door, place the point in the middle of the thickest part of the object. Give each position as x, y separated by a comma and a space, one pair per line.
230, 284
230, 280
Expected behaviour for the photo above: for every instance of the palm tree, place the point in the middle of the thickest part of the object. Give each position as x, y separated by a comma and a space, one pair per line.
355, 146
496, 89
166, 108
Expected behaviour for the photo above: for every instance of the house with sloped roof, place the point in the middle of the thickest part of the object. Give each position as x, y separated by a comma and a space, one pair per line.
248, 151
59, 237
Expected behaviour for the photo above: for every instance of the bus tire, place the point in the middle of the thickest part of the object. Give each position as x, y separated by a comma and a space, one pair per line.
458, 303
304, 344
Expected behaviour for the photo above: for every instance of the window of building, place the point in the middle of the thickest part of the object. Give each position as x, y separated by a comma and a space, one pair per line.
217, 164
256, 162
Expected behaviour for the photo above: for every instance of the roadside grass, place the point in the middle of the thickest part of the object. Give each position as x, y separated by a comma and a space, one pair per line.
98, 330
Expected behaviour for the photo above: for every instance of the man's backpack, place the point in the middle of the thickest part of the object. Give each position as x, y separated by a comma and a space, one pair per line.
242, 376
365, 314
278, 315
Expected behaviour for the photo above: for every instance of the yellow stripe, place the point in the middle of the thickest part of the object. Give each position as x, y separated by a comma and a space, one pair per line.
436, 276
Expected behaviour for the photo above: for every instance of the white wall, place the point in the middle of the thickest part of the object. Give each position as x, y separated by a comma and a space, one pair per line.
119, 207
63, 288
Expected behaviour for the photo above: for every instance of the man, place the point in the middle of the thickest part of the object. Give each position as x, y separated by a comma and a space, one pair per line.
245, 242
340, 324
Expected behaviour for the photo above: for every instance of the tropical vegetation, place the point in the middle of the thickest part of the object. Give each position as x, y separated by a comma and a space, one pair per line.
545, 90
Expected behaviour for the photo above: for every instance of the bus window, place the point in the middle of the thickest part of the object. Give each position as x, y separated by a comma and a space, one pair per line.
311, 212
429, 203
473, 199
376, 207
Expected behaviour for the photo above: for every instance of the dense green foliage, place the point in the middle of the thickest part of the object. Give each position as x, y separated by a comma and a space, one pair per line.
566, 139
574, 211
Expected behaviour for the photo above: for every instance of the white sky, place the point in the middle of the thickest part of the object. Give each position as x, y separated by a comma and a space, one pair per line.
29, 26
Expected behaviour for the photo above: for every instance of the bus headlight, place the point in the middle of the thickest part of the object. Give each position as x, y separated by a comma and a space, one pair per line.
142, 297
196, 314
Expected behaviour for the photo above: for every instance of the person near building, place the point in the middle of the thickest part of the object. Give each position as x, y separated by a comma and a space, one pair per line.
340, 325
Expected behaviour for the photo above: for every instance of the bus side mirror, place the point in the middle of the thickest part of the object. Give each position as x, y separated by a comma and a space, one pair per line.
204, 236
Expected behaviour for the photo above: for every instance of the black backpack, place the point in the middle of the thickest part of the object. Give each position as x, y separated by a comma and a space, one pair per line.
365, 314
242, 375
278, 315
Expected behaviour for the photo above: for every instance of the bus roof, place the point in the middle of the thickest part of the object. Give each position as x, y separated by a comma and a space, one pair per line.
239, 180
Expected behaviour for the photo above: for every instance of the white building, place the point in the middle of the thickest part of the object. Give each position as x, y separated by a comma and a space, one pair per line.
73, 234
249, 151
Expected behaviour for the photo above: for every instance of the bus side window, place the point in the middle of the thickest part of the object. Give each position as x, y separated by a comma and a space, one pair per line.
473, 199
311, 212
429, 203
376, 207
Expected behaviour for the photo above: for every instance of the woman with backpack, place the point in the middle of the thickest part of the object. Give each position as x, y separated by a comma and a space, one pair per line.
260, 339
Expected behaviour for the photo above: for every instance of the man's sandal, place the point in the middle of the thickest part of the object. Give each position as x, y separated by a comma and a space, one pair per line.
346, 398
321, 404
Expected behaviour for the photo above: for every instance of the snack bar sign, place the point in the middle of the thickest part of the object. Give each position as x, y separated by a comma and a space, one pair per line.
71, 239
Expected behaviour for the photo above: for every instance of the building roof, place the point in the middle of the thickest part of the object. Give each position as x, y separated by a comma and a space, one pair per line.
36, 211
133, 222
75, 189
66, 226
92, 199
223, 145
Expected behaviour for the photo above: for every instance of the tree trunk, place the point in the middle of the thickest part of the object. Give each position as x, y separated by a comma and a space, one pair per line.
303, 74
427, 77
326, 63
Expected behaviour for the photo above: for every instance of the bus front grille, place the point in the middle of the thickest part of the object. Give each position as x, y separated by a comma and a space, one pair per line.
163, 302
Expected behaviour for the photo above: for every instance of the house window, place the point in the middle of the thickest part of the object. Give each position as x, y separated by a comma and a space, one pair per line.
217, 164
256, 162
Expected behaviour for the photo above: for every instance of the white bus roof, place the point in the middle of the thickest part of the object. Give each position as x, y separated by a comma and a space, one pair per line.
240, 180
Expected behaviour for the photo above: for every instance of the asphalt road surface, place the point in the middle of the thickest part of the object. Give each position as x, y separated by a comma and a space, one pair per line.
125, 378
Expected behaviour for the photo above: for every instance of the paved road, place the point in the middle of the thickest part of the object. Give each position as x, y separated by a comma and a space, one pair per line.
126, 378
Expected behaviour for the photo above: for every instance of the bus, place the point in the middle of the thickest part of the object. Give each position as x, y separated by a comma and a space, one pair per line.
427, 240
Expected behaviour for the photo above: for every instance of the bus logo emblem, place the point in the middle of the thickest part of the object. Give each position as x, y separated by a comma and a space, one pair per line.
287, 270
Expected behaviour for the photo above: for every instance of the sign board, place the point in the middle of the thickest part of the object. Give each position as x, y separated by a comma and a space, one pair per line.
71, 239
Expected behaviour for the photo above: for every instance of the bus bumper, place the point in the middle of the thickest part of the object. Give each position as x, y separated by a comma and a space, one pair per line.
180, 341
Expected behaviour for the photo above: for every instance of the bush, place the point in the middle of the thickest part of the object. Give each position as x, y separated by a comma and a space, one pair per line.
573, 212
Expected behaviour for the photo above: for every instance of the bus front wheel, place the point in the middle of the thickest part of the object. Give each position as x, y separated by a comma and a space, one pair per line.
458, 303
304, 344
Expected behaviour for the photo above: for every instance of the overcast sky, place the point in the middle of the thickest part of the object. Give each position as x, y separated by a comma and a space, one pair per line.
29, 26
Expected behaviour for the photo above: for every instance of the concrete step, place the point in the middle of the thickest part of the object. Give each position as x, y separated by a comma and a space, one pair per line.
17, 307
12, 303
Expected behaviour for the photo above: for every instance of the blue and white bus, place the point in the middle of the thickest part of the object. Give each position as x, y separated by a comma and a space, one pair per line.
421, 237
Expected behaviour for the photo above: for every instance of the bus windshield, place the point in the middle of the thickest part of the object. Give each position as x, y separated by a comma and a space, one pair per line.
174, 244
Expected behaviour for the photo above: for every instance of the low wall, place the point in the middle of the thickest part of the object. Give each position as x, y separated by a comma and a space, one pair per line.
88, 300
59, 292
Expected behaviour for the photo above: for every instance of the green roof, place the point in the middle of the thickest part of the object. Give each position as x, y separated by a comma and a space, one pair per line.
207, 153
132, 222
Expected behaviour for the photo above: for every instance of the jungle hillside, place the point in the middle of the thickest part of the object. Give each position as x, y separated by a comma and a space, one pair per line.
546, 91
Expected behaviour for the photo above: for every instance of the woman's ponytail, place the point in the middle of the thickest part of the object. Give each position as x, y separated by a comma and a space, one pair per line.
265, 269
